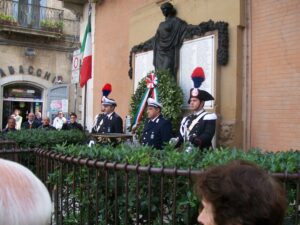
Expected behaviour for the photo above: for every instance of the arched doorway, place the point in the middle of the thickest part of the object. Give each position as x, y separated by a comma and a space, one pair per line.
23, 96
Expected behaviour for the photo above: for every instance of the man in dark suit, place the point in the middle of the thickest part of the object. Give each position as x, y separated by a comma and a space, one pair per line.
46, 124
11, 125
73, 123
157, 130
31, 123
109, 121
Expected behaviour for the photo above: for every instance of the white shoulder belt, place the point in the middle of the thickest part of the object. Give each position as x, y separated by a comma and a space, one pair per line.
195, 121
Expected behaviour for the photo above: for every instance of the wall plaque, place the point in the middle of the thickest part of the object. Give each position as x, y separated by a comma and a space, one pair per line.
143, 64
194, 53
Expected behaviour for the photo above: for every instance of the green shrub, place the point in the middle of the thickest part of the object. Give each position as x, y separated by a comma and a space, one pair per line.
39, 138
66, 142
279, 162
275, 162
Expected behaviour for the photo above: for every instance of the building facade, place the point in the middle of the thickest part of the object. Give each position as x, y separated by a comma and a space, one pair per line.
255, 91
37, 40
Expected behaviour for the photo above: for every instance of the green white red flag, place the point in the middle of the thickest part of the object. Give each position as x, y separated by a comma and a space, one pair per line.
86, 50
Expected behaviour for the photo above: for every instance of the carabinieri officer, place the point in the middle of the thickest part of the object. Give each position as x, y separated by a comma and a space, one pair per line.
199, 127
157, 130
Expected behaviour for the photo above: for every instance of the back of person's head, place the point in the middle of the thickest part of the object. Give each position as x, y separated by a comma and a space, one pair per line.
24, 200
242, 193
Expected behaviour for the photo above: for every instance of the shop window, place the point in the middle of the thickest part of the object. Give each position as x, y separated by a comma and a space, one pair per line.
24, 91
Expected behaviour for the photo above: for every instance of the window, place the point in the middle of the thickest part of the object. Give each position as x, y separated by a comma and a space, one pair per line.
15, 91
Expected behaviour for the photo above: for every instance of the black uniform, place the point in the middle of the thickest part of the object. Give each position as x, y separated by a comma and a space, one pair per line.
202, 133
48, 127
6, 130
157, 132
33, 125
72, 126
111, 123
98, 122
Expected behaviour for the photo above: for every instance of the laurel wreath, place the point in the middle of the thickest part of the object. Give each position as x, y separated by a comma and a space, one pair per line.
169, 94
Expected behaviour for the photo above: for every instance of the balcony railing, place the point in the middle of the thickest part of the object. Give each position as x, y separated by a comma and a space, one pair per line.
30, 17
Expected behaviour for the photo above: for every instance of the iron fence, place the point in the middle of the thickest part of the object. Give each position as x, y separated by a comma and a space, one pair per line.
86, 191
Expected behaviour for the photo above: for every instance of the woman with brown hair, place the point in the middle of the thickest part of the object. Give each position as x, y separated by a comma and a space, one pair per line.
240, 193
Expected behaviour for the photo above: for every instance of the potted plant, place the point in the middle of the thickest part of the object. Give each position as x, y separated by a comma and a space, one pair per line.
53, 26
7, 19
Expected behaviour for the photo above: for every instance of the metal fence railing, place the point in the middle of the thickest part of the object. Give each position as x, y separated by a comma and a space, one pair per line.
36, 17
86, 191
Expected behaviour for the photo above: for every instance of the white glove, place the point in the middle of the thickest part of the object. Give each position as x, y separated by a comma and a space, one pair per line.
174, 141
91, 143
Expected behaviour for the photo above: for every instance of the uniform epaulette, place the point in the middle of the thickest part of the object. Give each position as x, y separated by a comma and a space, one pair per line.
210, 116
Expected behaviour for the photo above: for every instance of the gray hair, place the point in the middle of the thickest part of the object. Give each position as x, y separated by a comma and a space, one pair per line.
24, 199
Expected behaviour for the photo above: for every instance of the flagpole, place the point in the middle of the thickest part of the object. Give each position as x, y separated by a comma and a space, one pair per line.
84, 106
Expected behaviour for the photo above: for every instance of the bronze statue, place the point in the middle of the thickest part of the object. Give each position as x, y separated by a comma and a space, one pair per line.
168, 40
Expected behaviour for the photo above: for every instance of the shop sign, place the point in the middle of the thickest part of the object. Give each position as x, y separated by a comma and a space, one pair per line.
30, 70
76, 67
59, 105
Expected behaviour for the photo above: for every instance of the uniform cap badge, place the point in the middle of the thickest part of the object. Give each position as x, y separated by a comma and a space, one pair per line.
195, 92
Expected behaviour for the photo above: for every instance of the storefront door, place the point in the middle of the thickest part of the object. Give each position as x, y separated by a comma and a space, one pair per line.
27, 98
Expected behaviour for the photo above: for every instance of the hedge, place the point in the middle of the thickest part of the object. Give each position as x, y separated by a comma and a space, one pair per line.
71, 143
39, 138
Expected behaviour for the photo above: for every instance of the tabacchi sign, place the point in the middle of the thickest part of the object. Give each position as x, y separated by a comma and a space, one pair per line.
30, 70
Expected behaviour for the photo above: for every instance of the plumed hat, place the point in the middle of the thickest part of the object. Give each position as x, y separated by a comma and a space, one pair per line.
106, 89
108, 101
198, 77
154, 103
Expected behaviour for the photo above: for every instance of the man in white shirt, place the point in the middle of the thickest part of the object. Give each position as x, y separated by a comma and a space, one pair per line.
18, 118
59, 121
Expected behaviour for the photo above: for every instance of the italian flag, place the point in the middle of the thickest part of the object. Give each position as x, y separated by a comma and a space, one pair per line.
86, 50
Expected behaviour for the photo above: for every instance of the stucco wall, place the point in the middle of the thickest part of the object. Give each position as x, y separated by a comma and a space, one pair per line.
68, 14
57, 63
111, 65
122, 24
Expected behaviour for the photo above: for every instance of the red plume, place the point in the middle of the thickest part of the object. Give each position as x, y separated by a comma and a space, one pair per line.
198, 76
106, 89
